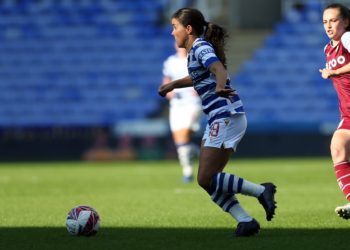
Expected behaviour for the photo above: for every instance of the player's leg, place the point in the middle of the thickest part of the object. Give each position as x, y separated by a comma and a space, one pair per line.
224, 136
233, 184
211, 162
181, 126
340, 151
221, 185
182, 139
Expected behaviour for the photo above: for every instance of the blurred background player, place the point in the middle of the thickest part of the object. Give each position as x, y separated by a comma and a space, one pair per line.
205, 44
184, 113
336, 22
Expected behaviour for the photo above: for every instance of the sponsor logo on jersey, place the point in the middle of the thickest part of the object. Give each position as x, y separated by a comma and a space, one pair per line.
335, 61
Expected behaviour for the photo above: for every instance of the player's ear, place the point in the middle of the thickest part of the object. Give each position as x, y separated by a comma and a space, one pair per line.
189, 29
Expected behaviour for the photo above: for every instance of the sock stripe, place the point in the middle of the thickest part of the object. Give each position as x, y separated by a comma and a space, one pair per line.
221, 182
239, 186
226, 180
219, 199
341, 166
234, 202
224, 201
216, 196
230, 184
217, 185
345, 186
344, 176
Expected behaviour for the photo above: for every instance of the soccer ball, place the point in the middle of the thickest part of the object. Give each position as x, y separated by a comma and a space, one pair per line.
83, 220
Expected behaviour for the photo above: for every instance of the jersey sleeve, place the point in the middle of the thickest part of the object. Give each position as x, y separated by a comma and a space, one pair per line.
205, 54
345, 39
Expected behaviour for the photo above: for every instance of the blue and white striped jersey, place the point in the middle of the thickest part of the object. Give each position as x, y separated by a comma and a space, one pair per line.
200, 57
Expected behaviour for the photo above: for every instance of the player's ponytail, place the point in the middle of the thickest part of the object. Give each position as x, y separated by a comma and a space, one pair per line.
217, 36
344, 12
211, 32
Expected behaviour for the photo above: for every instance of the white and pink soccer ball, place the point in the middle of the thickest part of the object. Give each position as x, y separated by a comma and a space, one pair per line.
83, 220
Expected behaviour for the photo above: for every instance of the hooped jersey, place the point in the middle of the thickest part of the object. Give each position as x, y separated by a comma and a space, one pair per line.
336, 57
200, 57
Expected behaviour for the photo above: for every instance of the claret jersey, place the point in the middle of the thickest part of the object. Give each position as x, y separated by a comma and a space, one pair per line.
337, 57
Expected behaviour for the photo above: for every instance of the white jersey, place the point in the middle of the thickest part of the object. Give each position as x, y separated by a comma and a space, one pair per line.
175, 68
185, 105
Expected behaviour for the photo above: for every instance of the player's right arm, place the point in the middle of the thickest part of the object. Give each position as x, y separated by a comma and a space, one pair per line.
180, 83
167, 80
326, 73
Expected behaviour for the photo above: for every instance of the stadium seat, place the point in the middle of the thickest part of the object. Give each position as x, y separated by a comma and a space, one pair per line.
80, 62
281, 84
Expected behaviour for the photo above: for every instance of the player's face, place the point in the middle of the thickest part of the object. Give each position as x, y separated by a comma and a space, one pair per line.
180, 33
333, 24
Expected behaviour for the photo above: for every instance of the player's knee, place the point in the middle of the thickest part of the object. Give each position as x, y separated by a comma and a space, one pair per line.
338, 154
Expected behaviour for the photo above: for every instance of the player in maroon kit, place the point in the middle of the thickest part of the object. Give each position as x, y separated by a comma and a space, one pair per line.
336, 22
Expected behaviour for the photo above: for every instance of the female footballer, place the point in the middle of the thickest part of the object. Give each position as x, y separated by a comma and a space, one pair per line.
336, 22
204, 42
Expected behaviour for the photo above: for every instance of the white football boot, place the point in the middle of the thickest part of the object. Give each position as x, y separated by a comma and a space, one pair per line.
343, 211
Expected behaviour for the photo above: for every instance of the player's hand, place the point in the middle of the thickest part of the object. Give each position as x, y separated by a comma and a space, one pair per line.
164, 89
326, 73
227, 93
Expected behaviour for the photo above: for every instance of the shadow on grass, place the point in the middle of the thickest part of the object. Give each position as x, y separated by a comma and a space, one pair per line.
173, 238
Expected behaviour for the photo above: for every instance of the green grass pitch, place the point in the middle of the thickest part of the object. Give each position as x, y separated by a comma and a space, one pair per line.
144, 205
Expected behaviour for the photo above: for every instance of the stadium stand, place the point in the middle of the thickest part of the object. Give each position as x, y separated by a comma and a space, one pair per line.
91, 63
73, 70
281, 86
79, 63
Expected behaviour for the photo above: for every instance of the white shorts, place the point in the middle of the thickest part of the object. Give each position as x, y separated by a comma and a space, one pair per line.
185, 117
225, 132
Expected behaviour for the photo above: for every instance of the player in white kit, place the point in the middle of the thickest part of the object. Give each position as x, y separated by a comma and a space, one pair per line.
184, 113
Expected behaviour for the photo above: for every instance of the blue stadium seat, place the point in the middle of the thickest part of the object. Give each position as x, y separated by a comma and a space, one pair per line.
281, 84
80, 62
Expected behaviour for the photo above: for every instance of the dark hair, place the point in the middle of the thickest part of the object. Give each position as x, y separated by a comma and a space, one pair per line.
344, 12
211, 32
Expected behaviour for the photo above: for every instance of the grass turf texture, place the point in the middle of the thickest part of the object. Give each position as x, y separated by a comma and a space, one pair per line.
144, 205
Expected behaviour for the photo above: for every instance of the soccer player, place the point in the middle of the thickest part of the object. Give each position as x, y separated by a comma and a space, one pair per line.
336, 22
204, 42
184, 113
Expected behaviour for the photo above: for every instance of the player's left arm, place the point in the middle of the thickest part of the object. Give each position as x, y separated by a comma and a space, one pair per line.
176, 84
